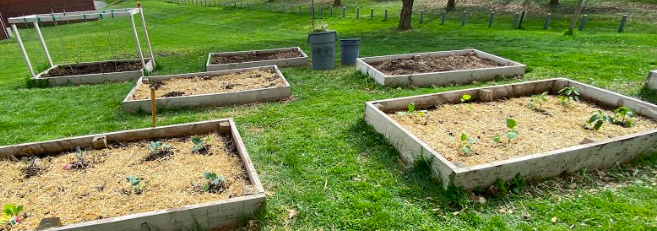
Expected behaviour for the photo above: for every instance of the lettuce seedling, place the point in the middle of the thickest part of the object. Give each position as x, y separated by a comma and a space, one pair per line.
136, 183
411, 110
598, 118
622, 116
214, 184
10, 215
199, 144
465, 144
568, 94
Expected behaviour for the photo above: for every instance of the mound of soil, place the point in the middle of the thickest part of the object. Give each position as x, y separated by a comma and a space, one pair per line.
96, 68
253, 56
429, 64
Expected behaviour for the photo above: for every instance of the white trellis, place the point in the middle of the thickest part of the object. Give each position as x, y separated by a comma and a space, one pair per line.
81, 15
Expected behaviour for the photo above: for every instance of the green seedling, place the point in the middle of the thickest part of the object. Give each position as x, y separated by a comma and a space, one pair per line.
199, 144
465, 144
157, 146
511, 132
136, 183
622, 116
10, 215
214, 183
536, 102
568, 94
598, 118
411, 111
464, 99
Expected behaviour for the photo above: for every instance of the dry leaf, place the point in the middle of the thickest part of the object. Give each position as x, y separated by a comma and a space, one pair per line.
355, 179
527, 216
554, 219
502, 210
510, 211
291, 213
482, 200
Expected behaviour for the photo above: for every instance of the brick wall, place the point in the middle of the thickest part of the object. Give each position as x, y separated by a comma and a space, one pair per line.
15, 8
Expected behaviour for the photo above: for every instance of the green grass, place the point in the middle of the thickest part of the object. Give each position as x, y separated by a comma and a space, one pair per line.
308, 151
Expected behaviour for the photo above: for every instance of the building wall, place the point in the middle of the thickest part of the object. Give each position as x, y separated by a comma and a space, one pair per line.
15, 8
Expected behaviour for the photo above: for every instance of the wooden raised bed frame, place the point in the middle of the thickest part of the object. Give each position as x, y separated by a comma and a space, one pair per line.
540, 165
651, 81
91, 78
208, 100
440, 78
210, 214
291, 62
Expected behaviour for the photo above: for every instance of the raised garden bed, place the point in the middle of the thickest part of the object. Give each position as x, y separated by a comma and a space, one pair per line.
210, 89
438, 68
466, 141
281, 57
122, 181
651, 81
92, 73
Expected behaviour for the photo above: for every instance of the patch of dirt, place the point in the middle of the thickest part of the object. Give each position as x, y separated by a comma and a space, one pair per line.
442, 127
255, 56
159, 155
197, 85
428, 64
78, 196
97, 68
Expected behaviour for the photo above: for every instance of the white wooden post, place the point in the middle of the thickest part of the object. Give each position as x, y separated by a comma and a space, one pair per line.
43, 43
148, 39
20, 43
134, 31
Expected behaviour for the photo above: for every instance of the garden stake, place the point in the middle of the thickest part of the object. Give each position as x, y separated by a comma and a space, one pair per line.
521, 19
585, 19
622, 23
490, 19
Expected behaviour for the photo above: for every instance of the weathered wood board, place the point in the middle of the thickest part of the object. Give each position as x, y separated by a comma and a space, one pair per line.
540, 165
290, 62
91, 78
441, 78
208, 100
209, 215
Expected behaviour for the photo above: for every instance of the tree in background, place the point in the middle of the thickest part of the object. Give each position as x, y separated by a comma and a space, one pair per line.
405, 15
451, 4
554, 2
337, 3
578, 9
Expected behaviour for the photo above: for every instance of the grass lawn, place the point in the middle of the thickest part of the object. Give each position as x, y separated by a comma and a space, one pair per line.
315, 154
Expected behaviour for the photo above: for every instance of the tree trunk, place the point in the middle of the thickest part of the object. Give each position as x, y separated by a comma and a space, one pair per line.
405, 15
554, 2
337, 3
451, 4
578, 9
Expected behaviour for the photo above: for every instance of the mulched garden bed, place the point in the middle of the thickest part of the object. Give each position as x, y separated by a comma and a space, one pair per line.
429, 64
89, 185
551, 127
207, 84
256, 56
95, 68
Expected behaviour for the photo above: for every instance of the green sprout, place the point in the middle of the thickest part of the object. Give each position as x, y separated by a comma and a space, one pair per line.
536, 102
214, 183
136, 183
157, 146
568, 94
598, 118
465, 144
511, 133
411, 111
622, 116
465, 98
10, 215
199, 144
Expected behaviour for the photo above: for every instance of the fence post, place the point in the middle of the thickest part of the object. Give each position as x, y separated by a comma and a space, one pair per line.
546, 25
442, 17
421, 16
465, 15
490, 19
321, 12
385, 15
622, 23
582, 24
268, 6
371, 13
300, 12
331, 14
516, 19
357, 12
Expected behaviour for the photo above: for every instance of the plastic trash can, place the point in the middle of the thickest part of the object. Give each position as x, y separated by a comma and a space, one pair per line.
322, 47
350, 48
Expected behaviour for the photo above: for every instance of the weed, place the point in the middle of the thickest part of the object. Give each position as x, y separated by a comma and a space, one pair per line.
215, 184
465, 144
568, 94
511, 132
10, 215
411, 111
622, 116
598, 118
536, 102
200, 145
136, 184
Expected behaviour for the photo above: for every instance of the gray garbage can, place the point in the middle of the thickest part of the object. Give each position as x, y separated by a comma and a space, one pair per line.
349, 51
322, 47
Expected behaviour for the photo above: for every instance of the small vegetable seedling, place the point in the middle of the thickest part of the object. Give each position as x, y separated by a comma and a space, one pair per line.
136, 183
464, 99
622, 116
200, 145
411, 110
598, 118
465, 144
215, 184
158, 150
10, 215
568, 94
511, 133
536, 102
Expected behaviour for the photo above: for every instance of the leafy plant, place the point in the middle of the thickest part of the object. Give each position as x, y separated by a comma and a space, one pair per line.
465, 98
622, 116
320, 27
536, 102
568, 94
465, 144
157, 146
511, 132
598, 118
214, 183
10, 214
199, 144
136, 183
411, 110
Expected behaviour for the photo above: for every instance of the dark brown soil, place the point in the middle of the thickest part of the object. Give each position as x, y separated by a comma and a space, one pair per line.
160, 155
96, 68
250, 57
428, 64
174, 94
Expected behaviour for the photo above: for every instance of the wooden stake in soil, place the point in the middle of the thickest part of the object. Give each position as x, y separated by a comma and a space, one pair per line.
153, 105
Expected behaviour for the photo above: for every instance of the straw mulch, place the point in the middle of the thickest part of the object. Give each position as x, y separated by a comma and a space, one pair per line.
102, 191
428, 64
441, 128
197, 85
253, 56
